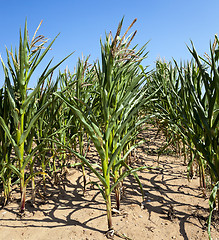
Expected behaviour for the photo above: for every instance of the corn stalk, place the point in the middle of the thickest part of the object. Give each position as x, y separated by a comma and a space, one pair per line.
21, 66
119, 96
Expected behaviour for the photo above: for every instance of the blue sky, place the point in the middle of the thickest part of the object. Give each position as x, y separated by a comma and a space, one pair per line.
169, 25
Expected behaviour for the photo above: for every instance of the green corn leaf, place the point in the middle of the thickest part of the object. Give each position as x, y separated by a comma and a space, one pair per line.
121, 161
10, 137
21, 79
36, 150
33, 121
15, 170
13, 74
125, 174
97, 139
25, 47
122, 143
11, 96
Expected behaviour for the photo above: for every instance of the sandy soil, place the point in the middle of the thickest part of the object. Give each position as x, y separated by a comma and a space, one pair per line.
173, 208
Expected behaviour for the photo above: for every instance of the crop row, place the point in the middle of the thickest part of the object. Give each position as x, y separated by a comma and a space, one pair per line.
105, 104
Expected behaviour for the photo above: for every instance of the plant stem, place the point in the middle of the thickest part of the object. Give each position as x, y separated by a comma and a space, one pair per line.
23, 195
107, 188
108, 208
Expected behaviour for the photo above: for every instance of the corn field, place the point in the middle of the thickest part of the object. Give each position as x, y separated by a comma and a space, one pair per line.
105, 105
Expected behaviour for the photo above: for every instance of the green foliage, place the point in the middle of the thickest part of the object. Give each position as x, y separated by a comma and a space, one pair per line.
110, 115
21, 105
189, 109
105, 104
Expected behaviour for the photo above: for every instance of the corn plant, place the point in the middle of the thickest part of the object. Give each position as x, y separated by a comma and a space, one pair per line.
83, 88
82, 84
5, 148
204, 112
165, 78
192, 109
119, 96
44, 126
21, 66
